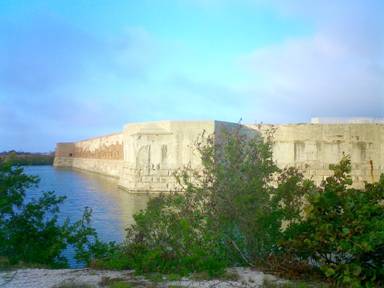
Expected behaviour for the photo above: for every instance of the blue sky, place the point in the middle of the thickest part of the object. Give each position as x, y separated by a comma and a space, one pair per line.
72, 69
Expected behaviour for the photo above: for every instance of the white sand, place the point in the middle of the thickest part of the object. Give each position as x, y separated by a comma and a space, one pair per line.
49, 278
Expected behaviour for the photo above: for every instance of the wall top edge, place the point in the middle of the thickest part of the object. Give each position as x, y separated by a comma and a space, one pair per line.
145, 123
346, 120
97, 137
312, 124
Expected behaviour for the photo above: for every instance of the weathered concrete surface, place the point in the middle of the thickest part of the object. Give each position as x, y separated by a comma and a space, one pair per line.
153, 151
313, 147
354, 120
111, 168
103, 155
145, 156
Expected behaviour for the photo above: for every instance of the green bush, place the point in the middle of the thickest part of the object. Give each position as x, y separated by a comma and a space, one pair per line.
30, 232
228, 213
170, 236
240, 209
343, 229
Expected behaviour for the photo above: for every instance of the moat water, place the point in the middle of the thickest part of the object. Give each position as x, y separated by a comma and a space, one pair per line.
112, 207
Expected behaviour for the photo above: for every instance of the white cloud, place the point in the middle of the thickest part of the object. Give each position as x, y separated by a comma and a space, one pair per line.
337, 71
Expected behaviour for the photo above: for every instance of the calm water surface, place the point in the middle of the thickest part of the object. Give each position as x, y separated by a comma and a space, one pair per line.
112, 207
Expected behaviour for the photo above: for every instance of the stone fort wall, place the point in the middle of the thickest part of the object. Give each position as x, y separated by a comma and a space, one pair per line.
103, 155
145, 155
313, 147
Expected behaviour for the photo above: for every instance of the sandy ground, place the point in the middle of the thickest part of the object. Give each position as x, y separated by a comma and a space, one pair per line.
47, 278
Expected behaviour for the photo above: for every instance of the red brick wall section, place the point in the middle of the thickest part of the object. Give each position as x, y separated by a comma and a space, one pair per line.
110, 152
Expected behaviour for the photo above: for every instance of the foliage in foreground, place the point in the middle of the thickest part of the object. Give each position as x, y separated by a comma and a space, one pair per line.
343, 230
240, 209
30, 231
228, 213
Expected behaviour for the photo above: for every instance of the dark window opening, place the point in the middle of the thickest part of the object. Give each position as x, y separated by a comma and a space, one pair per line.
70, 154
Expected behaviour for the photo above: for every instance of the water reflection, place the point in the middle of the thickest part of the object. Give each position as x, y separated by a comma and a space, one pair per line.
112, 207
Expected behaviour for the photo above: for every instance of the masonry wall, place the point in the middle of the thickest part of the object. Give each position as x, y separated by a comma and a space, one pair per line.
145, 155
313, 147
103, 155
153, 151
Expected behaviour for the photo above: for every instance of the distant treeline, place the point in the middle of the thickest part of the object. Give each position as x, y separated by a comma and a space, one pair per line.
27, 158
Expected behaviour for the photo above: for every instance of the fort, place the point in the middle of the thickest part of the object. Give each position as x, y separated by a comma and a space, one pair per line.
144, 155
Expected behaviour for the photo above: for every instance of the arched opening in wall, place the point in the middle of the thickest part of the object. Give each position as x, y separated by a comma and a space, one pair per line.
70, 154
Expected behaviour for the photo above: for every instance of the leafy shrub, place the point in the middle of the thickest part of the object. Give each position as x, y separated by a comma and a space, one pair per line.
343, 229
240, 209
111, 257
228, 213
172, 236
30, 231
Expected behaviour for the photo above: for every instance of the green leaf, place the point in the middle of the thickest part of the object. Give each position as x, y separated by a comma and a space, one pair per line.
356, 270
328, 271
346, 231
